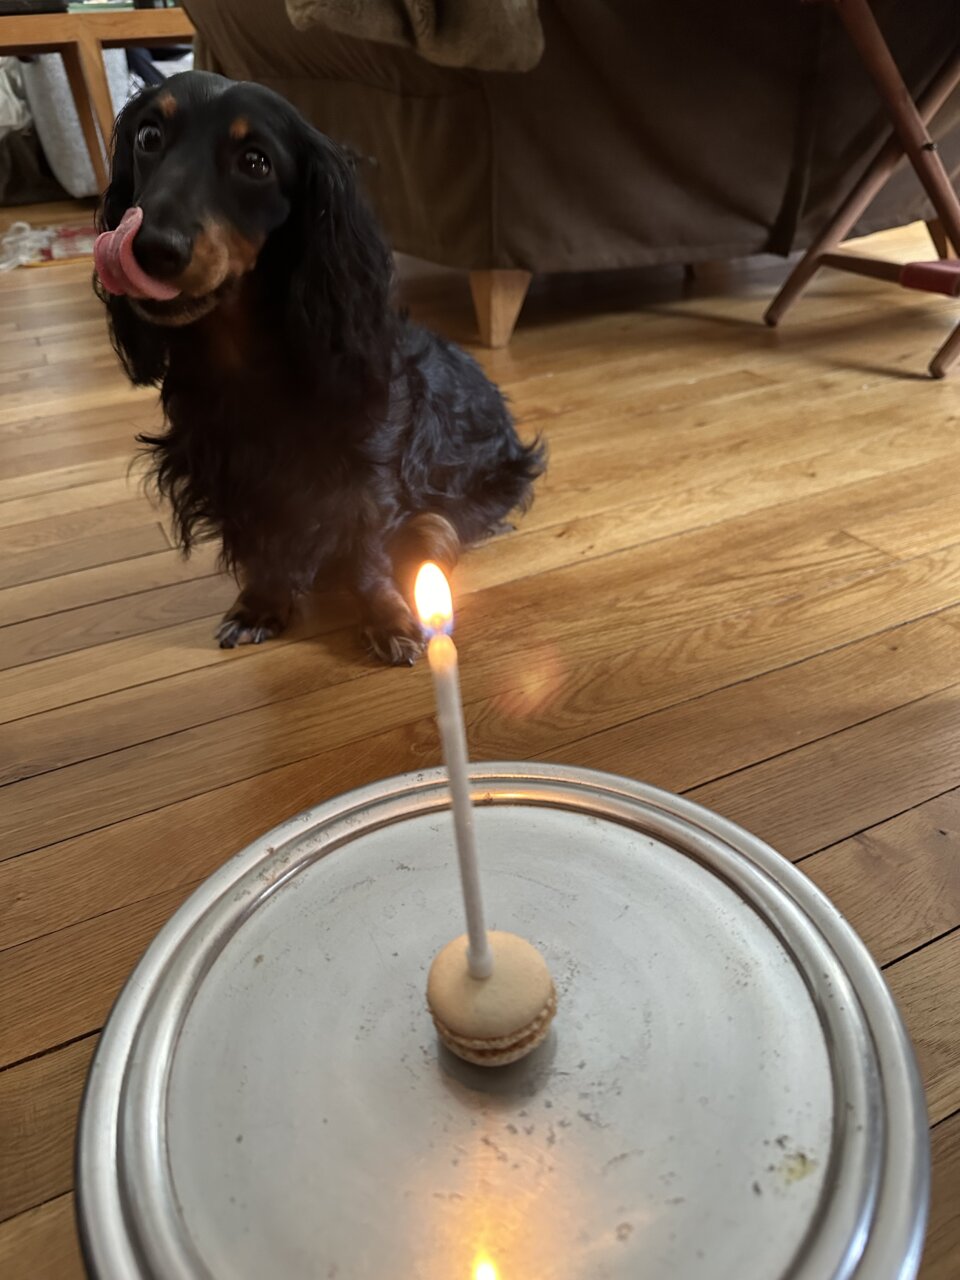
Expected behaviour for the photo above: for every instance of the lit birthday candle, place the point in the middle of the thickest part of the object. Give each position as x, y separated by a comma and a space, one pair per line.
435, 607
491, 994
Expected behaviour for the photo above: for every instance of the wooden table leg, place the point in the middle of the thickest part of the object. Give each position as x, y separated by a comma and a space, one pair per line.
88, 125
98, 86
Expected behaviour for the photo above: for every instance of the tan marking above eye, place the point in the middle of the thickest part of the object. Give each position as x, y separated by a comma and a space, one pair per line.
239, 129
167, 104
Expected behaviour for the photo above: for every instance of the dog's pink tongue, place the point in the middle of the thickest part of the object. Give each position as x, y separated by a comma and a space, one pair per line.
119, 270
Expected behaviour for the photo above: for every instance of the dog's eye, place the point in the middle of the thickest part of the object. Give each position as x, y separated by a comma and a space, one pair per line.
252, 163
149, 137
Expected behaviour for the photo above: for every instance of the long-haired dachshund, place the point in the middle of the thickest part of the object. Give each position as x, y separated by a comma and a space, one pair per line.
316, 432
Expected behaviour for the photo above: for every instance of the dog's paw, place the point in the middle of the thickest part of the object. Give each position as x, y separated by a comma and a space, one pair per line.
398, 647
242, 626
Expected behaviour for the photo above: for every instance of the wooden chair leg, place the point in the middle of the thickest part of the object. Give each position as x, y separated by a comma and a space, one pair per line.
947, 356
860, 198
497, 298
908, 119
939, 238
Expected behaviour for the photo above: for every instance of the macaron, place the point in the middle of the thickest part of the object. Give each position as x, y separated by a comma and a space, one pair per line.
496, 1020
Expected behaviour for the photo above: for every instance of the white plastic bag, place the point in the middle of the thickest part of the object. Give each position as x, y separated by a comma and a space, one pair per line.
14, 113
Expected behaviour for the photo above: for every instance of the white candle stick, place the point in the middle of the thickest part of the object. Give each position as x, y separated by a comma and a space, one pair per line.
436, 614
509, 1013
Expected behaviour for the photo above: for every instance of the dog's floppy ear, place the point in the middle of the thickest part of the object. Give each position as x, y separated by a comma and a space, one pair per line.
141, 347
340, 269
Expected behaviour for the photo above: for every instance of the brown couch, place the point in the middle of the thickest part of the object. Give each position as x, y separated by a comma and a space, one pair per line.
648, 132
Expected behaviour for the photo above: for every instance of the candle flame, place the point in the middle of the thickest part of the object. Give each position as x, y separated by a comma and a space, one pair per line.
434, 602
484, 1268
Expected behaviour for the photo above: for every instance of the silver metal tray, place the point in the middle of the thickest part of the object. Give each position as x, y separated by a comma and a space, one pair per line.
728, 1090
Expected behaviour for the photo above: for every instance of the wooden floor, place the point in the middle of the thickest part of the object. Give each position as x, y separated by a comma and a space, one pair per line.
740, 581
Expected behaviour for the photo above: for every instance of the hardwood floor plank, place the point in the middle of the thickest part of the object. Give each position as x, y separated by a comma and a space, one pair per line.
768, 429
29, 484
605, 468
773, 713
612, 683
96, 624
88, 960
930, 521
58, 445
867, 338
41, 1244
826, 791
195, 697
59, 213
152, 775
121, 664
53, 531
211, 692
66, 421
816, 492
21, 353
503, 560
912, 860
49, 322
67, 347
50, 468
80, 553
66, 502
543, 402
38, 1108
163, 850
213, 755
927, 988
70, 591
34, 394
92, 874
65, 283
725, 401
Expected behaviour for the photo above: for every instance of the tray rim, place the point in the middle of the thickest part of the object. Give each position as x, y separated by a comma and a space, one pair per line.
898, 1204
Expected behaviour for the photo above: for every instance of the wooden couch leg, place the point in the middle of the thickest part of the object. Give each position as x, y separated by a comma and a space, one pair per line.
497, 298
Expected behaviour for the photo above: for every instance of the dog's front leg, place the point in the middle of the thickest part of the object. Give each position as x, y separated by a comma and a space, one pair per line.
387, 625
261, 611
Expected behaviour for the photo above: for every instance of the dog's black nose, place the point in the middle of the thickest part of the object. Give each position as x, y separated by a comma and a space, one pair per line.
162, 252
